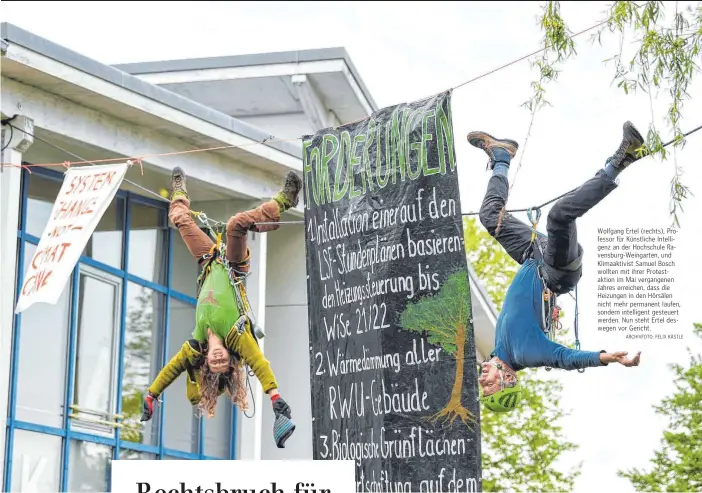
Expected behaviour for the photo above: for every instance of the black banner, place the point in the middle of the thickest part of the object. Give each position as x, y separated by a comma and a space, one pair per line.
392, 356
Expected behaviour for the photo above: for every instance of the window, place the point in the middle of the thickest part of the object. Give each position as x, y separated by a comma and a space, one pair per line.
181, 423
126, 307
37, 462
184, 268
96, 341
41, 195
218, 429
143, 346
134, 455
87, 466
43, 345
148, 230
105, 244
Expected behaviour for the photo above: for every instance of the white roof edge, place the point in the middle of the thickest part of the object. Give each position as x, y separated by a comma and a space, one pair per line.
12, 34
257, 59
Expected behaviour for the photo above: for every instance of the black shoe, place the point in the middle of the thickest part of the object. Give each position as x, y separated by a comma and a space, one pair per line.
506, 148
626, 154
178, 183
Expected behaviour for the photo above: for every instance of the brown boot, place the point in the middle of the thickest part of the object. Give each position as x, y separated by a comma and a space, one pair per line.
498, 150
178, 185
289, 196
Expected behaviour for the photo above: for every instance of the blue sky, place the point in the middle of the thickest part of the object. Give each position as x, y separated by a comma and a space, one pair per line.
406, 51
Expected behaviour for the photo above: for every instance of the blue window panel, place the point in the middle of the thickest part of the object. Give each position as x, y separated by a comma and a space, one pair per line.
31, 449
42, 343
88, 437
141, 356
180, 454
89, 466
140, 447
184, 298
120, 374
69, 436
49, 430
120, 273
71, 374
166, 337
7, 480
148, 242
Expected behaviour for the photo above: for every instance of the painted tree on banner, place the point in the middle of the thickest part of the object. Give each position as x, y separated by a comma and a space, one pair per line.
443, 318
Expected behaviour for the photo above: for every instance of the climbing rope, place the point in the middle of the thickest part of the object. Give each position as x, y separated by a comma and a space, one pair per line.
218, 223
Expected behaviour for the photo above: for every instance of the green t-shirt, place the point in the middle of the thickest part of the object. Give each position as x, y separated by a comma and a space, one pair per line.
217, 308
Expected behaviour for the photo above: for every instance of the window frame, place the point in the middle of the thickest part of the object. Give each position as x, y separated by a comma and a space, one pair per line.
67, 432
87, 420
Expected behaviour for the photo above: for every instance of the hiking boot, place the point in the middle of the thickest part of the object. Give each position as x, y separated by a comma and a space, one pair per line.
499, 150
626, 154
178, 184
290, 195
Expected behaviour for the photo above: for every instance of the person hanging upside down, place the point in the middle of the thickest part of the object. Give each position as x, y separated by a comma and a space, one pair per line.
223, 341
520, 341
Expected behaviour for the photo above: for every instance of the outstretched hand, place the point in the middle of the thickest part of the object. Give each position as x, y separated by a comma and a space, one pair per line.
620, 357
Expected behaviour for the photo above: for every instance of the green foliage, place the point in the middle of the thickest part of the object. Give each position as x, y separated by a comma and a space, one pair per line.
666, 60
439, 315
558, 43
677, 466
520, 449
559, 40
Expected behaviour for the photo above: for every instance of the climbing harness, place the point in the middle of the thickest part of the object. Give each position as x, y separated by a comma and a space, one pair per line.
550, 311
236, 278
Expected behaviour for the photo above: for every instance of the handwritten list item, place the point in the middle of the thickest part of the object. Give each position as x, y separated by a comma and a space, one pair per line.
392, 355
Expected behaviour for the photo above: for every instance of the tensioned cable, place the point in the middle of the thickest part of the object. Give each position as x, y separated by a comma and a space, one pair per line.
271, 139
220, 223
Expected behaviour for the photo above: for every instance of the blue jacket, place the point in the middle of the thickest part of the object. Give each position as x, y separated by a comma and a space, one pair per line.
519, 340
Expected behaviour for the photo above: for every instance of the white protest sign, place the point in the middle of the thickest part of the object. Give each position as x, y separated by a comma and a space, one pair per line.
84, 196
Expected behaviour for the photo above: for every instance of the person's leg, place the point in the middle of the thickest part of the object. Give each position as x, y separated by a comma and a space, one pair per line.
562, 249
259, 220
513, 234
197, 242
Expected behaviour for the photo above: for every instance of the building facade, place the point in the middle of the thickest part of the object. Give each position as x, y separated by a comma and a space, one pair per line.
73, 374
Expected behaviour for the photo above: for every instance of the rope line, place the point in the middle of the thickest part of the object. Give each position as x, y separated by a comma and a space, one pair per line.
271, 139
66, 164
214, 223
